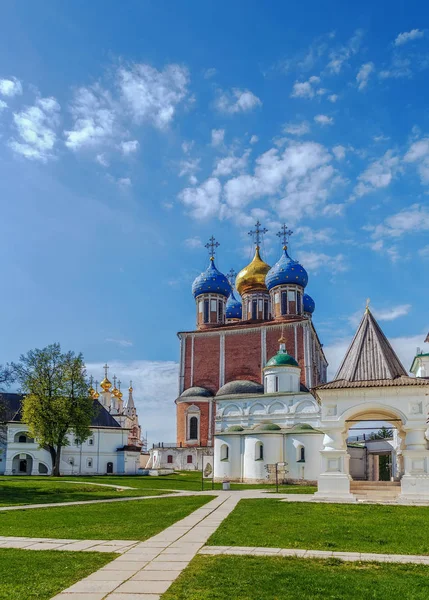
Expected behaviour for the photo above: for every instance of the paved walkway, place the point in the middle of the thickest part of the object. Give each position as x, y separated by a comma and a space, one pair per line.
348, 556
149, 568
66, 544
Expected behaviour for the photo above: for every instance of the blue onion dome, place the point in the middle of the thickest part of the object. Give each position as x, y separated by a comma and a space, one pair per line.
233, 307
211, 280
308, 304
286, 270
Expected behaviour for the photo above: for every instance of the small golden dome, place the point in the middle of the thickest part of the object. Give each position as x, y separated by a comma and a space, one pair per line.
91, 391
119, 395
115, 392
96, 395
252, 277
106, 385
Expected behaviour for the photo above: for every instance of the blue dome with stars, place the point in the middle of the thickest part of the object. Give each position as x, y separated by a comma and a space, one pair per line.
286, 270
211, 281
233, 307
308, 304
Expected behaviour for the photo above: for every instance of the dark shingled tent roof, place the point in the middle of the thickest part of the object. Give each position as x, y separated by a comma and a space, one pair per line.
13, 405
370, 361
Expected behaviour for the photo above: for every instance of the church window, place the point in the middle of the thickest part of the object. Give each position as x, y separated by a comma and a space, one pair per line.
200, 306
276, 384
170, 459
189, 459
284, 303
22, 439
254, 309
259, 451
71, 461
89, 463
220, 312
298, 303
266, 310
291, 295
224, 452
300, 454
43, 469
193, 428
206, 312
90, 441
213, 306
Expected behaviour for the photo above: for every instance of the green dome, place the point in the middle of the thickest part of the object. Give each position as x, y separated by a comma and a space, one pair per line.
282, 359
267, 427
235, 428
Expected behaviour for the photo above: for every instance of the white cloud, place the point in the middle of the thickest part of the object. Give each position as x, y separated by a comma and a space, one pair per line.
230, 164
187, 146
306, 89
129, 147
300, 179
424, 252
152, 95
254, 139
381, 138
318, 261
297, 128
194, 242
189, 166
95, 118
333, 98
236, 101
412, 219
339, 152
339, 58
3, 105
399, 67
379, 174
209, 73
218, 136
383, 314
155, 386
203, 202
408, 36
308, 236
124, 182
363, 75
10, 87
418, 153
102, 160
123, 343
36, 127
324, 120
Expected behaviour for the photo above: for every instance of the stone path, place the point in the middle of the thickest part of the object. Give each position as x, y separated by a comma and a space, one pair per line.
108, 485
147, 570
347, 556
66, 544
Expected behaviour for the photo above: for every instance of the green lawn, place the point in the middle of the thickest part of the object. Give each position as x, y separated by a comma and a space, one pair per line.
133, 520
40, 575
34, 490
341, 527
266, 578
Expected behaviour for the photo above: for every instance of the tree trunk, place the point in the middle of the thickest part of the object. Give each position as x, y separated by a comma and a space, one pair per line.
56, 471
53, 454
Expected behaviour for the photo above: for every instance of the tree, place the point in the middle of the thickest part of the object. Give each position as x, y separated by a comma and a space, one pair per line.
56, 399
5, 380
384, 433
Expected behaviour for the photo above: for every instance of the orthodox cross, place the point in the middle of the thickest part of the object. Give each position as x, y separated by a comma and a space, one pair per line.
114, 381
368, 300
231, 277
91, 379
106, 368
131, 384
211, 246
284, 234
119, 384
257, 233
96, 386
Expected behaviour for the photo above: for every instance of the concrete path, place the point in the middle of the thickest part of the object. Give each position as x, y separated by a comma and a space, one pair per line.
347, 556
108, 485
66, 544
149, 568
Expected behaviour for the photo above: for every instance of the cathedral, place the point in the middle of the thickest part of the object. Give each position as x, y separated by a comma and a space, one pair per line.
114, 445
253, 389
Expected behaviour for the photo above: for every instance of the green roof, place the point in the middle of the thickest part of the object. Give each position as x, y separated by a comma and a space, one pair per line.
267, 427
235, 428
282, 359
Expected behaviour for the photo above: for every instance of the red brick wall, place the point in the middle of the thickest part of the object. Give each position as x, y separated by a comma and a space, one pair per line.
273, 336
204, 422
206, 361
243, 356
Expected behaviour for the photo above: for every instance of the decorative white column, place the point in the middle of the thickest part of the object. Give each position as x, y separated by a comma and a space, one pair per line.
334, 479
415, 481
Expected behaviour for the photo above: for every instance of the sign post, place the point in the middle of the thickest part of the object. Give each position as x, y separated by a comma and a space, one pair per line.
276, 469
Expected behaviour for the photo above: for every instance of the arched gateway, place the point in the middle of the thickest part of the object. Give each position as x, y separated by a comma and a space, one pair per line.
371, 384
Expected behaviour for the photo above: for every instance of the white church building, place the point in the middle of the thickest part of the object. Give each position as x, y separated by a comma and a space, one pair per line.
114, 446
307, 431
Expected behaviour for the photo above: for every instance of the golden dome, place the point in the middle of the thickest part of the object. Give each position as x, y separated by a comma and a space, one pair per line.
106, 385
91, 392
96, 395
252, 277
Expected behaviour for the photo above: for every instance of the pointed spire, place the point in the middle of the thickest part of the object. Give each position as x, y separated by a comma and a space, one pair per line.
130, 403
282, 341
370, 355
96, 394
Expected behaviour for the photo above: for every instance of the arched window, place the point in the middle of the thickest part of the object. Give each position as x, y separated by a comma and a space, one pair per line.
224, 452
300, 453
189, 459
22, 439
43, 469
259, 451
193, 428
170, 459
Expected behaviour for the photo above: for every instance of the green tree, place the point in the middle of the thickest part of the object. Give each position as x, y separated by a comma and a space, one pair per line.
384, 433
56, 399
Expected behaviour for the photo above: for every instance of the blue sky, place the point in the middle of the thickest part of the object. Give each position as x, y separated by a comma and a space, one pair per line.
129, 134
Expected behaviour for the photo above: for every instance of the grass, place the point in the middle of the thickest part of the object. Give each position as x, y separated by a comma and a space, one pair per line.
40, 575
33, 490
133, 520
340, 527
270, 578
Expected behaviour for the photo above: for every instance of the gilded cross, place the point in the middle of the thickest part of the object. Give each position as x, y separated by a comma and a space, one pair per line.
211, 246
257, 233
284, 234
106, 368
231, 277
